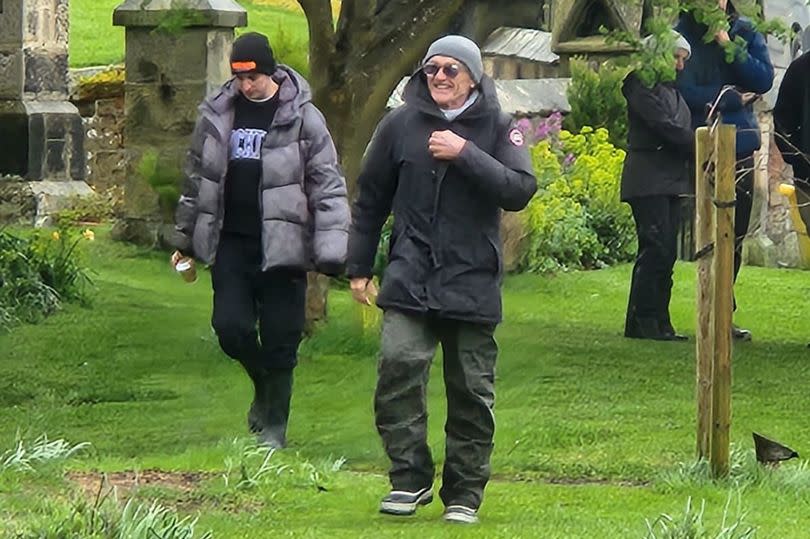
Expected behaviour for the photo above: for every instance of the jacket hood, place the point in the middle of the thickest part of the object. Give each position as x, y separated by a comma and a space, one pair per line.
417, 94
293, 92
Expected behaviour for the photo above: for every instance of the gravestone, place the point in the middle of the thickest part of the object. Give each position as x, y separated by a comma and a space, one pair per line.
176, 53
41, 134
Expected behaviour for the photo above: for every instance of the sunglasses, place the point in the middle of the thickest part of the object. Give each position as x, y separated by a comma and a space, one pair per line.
450, 70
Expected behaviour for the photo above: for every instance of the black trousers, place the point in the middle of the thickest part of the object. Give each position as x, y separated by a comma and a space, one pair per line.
657, 219
742, 209
245, 296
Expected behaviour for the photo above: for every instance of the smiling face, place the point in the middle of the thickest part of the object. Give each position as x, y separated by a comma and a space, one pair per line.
450, 83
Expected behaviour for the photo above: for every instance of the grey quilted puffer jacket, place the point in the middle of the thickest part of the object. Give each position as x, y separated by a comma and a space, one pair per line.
305, 212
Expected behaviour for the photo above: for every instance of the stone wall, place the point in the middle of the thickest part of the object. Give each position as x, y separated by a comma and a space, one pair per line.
774, 237
98, 93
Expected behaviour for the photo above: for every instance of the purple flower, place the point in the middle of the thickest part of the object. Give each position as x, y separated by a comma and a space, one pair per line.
543, 130
524, 125
569, 160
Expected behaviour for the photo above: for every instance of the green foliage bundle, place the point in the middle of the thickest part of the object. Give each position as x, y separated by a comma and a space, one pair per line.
163, 178
596, 100
39, 272
652, 60
576, 220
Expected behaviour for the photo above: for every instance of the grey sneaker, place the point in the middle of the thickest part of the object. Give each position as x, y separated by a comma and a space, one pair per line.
404, 503
460, 514
740, 334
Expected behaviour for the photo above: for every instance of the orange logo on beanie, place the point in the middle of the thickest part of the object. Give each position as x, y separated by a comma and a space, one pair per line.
238, 67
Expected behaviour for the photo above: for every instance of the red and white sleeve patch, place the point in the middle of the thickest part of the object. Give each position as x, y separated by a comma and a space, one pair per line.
516, 137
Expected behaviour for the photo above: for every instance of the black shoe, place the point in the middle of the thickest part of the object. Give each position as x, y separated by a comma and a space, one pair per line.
404, 503
740, 334
669, 331
647, 328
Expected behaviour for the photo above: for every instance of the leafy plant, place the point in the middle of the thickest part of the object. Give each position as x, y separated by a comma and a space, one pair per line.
596, 100
26, 456
39, 272
577, 220
164, 178
691, 525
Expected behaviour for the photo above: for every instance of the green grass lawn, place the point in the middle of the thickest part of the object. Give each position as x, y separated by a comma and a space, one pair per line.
592, 428
95, 41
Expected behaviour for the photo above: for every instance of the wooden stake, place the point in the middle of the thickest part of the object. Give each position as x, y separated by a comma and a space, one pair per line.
723, 270
704, 219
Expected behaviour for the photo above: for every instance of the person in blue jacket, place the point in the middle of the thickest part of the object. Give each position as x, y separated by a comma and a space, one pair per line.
740, 81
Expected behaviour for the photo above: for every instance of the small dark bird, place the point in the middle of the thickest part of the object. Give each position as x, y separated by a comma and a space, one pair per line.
771, 452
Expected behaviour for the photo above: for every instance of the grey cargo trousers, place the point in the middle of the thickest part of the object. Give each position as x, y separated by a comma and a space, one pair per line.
409, 343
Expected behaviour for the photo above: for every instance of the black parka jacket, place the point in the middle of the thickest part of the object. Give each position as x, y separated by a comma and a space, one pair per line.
660, 140
445, 251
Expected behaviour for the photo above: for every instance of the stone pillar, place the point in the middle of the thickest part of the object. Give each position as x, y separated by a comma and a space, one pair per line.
41, 134
176, 53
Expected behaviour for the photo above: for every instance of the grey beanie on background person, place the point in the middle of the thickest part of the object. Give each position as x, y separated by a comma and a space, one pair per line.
462, 49
252, 53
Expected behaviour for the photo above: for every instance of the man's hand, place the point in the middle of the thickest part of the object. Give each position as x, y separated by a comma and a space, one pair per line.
722, 37
749, 97
363, 290
445, 145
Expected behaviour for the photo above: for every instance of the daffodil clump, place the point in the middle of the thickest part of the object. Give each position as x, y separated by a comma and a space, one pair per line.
39, 271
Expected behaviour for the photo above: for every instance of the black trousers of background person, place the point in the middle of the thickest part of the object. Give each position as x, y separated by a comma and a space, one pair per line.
742, 209
245, 296
657, 218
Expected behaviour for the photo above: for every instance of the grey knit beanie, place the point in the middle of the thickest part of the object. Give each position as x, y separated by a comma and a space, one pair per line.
680, 43
462, 49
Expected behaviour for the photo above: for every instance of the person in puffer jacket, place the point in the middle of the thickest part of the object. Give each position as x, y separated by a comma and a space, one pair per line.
264, 202
741, 82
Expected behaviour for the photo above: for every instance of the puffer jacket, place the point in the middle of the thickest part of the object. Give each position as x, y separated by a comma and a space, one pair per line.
707, 72
302, 194
445, 253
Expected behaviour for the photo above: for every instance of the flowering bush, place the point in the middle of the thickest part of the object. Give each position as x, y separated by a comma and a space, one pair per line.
38, 272
576, 220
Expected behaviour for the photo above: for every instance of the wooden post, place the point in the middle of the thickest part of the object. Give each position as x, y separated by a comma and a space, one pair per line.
723, 270
704, 219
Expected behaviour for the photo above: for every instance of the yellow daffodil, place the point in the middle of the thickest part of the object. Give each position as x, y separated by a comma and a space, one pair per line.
55, 235
89, 235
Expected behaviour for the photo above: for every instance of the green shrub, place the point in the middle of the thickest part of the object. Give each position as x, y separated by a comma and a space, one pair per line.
39, 272
596, 100
164, 178
577, 220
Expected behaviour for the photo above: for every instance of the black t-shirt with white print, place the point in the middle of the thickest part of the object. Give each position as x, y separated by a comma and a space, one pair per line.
251, 122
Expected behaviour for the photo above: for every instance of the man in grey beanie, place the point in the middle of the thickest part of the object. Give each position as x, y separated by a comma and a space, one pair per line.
445, 164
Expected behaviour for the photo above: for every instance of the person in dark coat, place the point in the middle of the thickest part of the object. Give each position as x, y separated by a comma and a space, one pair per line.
655, 176
791, 117
445, 164
735, 85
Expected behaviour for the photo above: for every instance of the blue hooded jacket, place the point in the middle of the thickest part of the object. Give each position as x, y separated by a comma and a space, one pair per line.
707, 72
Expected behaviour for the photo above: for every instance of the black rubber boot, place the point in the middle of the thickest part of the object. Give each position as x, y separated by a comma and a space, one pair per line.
271, 409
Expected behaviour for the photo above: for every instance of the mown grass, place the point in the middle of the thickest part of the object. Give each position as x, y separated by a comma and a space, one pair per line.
95, 41
592, 428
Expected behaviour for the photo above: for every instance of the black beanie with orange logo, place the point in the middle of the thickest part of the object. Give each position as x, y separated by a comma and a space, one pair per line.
252, 53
